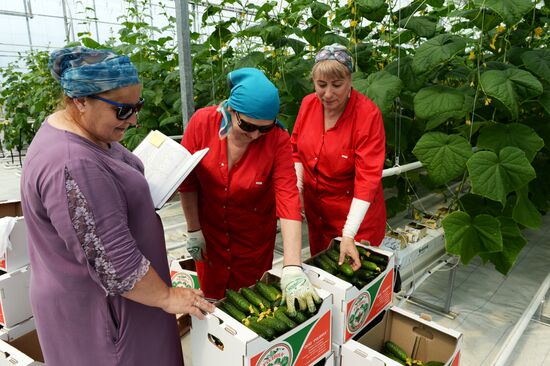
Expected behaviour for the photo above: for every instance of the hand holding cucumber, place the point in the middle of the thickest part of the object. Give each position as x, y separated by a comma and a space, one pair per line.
296, 286
348, 249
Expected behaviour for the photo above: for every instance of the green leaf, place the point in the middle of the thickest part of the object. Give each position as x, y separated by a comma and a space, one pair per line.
381, 87
467, 238
252, 59
525, 211
90, 43
508, 86
512, 244
436, 51
474, 205
170, 120
494, 176
538, 62
370, 5
510, 10
497, 136
439, 103
444, 156
436, 3
423, 26
318, 10
544, 100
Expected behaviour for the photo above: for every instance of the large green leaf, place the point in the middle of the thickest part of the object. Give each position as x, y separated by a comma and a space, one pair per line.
474, 205
512, 244
525, 211
444, 156
318, 10
494, 176
498, 136
423, 26
370, 5
381, 87
439, 103
544, 100
469, 237
436, 51
483, 19
510, 87
510, 10
538, 62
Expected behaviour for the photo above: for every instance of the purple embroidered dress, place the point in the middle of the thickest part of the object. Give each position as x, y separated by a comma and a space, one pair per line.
92, 234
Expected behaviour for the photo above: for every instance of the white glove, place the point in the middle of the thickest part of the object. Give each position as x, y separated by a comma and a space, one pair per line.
296, 286
196, 246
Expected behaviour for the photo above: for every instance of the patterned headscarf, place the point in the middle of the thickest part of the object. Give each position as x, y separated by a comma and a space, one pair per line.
82, 71
252, 94
335, 52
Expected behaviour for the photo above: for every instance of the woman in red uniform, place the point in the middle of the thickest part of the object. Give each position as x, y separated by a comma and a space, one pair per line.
338, 146
232, 199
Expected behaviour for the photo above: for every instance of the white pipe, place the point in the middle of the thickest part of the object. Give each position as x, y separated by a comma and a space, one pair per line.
423, 278
396, 170
510, 342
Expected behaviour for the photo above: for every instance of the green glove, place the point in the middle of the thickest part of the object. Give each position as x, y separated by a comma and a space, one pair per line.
296, 286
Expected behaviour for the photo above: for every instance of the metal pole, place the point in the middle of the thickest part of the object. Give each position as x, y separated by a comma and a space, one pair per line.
28, 24
96, 26
65, 21
186, 69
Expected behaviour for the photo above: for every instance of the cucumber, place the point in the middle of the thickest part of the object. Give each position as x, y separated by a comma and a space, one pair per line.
378, 259
262, 330
240, 302
329, 261
370, 265
269, 292
280, 314
277, 325
321, 263
254, 298
357, 282
396, 350
390, 355
333, 254
233, 311
346, 269
342, 277
366, 275
300, 317
363, 252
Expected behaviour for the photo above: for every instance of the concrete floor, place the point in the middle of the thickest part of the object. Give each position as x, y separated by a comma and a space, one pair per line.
488, 304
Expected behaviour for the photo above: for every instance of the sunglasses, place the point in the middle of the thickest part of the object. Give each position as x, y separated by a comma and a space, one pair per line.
342, 56
123, 111
251, 127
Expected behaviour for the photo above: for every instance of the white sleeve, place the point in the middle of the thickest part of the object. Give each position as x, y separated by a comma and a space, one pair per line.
299, 167
356, 214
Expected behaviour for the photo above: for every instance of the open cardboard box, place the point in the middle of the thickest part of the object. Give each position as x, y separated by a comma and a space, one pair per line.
23, 351
15, 305
183, 274
420, 338
221, 340
354, 308
18, 256
10, 208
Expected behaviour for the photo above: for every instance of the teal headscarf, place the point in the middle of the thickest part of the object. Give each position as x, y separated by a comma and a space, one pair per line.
252, 94
83, 71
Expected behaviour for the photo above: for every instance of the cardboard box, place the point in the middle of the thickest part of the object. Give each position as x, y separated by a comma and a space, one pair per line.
24, 351
18, 330
10, 208
221, 340
183, 274
15, 305
18, 256
422, 339
354, 308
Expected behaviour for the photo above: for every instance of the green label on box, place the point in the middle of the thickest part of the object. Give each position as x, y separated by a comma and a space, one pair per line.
185, 280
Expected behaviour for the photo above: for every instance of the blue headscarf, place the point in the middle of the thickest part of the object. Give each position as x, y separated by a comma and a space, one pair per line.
83, 71
252, 94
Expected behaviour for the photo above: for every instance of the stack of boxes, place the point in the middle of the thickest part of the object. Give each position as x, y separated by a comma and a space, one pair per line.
18, 339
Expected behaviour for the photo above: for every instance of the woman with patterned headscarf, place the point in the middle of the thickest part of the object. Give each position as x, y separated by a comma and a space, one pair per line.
338, 145
100, 285
232, 199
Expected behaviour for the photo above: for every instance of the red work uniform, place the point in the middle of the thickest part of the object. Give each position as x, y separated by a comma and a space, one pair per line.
238, 209
344, 162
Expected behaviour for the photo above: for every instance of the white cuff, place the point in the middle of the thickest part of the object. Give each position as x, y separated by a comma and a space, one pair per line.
357, 212
299, 167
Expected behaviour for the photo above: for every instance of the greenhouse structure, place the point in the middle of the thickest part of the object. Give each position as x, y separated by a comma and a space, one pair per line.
284, 182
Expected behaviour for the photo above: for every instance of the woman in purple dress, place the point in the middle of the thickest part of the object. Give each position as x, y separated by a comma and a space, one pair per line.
100, 284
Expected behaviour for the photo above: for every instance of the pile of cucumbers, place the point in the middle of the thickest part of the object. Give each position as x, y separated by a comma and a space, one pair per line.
396, 353
372, 264
260, 309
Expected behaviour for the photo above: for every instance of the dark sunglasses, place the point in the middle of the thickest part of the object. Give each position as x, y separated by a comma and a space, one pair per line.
251, 127
123, 111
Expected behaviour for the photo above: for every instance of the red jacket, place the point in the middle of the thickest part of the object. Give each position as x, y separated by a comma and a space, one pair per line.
238, 209
344, 162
